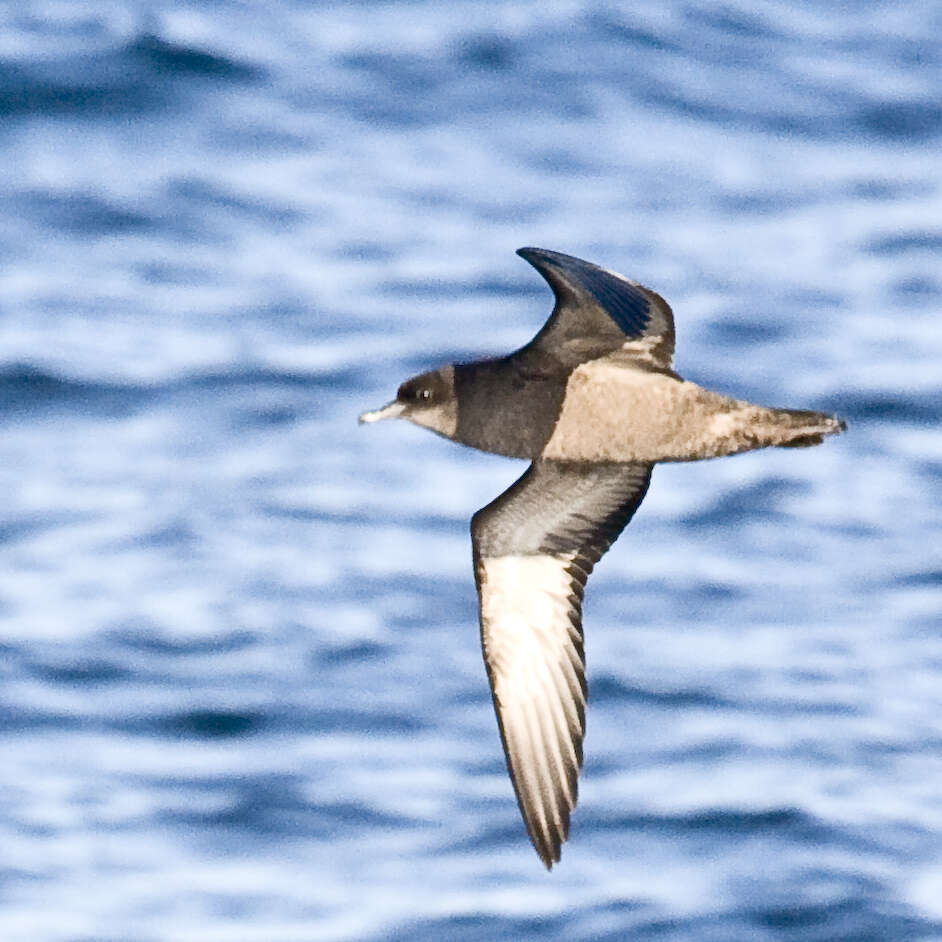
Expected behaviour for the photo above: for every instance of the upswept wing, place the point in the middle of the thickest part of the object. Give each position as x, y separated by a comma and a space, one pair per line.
598, 312
534, 547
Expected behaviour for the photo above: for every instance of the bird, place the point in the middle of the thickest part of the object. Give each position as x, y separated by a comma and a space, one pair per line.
593, 402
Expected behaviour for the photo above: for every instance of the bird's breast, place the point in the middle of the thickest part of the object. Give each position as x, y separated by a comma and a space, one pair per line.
502, 412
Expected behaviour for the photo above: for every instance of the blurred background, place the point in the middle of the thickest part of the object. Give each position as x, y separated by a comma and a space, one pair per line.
242, 695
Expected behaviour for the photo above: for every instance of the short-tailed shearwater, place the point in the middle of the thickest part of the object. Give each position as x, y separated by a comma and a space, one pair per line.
593, 402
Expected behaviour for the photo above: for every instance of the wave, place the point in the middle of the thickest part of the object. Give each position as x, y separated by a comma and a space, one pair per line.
27, 390
143, 74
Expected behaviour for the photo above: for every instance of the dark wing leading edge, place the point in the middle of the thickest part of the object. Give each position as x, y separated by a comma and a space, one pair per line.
598, 312
534, 548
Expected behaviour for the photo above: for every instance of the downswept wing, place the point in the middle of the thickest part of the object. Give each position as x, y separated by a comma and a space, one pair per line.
598, 312
534, 547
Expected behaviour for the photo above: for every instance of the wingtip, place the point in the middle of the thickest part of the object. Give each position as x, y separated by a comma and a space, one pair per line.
548, 846
548, 856
541, 259
531, 252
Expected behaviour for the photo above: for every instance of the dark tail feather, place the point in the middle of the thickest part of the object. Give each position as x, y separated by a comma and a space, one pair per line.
803, 441
810, 428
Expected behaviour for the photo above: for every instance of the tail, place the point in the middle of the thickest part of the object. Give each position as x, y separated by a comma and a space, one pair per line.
801, 428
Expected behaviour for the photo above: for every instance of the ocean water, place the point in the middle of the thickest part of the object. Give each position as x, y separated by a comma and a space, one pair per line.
242, 697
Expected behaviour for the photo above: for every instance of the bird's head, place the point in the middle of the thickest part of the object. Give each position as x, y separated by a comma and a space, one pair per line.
427, 400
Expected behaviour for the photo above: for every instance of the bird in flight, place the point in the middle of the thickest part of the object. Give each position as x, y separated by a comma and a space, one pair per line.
593, 402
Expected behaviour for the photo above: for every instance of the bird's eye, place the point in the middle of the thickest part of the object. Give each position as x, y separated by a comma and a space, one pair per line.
423, 394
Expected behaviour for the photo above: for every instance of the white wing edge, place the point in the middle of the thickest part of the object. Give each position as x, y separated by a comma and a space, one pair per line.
532, 640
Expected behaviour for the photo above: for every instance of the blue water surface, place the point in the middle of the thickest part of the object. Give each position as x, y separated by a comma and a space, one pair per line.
242, 698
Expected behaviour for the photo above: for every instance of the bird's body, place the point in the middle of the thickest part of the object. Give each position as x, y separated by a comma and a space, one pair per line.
617, 409
593, 402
